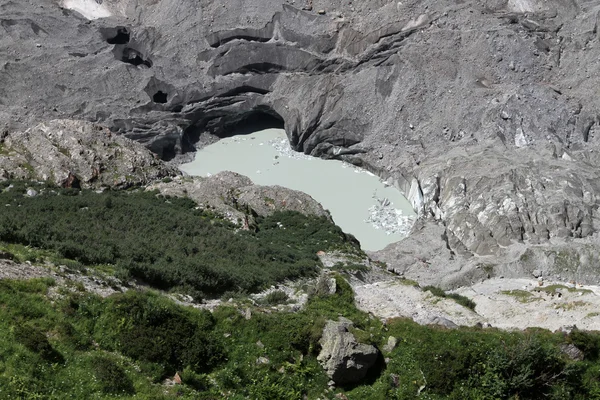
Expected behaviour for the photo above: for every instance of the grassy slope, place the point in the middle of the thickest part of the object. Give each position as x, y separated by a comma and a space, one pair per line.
61, 342
76, 345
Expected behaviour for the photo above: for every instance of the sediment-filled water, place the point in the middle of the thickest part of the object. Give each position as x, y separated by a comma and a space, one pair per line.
359, 202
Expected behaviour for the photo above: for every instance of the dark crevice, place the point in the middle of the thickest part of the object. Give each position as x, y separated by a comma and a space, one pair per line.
252, 122
586, 130
166, 150
223, 126
261, 35
243, 90
160, 97
133, 57
122, 36
248, 38
259, 68
116, 35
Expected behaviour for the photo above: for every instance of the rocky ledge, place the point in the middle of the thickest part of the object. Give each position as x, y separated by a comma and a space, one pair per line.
483, 115
235, 197
78, 154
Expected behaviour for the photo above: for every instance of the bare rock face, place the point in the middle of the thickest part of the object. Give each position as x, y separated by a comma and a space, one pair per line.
78, 154
344, 359
265, 200
484, 115
237, 198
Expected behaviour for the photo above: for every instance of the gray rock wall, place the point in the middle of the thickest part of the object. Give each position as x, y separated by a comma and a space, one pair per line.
483, 113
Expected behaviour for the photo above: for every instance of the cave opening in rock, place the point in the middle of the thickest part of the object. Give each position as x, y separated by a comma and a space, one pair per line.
206, 131
160, 97
122, 36
131, 56
253, 122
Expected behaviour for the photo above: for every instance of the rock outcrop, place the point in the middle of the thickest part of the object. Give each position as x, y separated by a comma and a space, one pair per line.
485, 115
345, 360
78, 154
235, 196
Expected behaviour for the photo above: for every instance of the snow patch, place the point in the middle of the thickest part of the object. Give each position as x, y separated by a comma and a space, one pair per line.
88, 8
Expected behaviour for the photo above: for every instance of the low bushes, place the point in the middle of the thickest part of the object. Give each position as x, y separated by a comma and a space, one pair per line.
127, 344
462, 300
166, 242
149, 328
37, 342
112, 378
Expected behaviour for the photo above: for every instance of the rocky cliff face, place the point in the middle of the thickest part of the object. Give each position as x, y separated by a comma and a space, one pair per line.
484, 114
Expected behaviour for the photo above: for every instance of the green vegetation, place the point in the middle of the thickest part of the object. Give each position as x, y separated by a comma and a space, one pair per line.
523, 296
554, 289
571, 305
408, 282
166, 242
81, 346
276, 297
349, 267
462, 300
63, 342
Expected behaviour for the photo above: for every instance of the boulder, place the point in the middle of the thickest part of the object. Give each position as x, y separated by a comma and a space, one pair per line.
235, 197
571, 351
390, 345
441, 321
344, 359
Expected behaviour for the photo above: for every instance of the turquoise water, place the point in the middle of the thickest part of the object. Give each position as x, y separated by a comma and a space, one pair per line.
359, 202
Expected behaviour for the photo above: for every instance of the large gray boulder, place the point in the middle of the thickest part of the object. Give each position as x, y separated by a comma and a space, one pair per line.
345, 360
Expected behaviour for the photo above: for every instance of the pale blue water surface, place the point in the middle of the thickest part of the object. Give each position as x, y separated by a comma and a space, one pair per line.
359, 202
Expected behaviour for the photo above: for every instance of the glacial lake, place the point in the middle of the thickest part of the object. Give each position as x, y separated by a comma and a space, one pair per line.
359, 202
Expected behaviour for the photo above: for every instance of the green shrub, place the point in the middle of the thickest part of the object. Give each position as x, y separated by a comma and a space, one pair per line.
527, 369
112, 378
35, 340
147, 327
436, 291
276, 297
166, 243
197, 381
462, 300
587, 342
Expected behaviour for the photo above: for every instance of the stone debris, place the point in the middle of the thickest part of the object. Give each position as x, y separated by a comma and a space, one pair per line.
571, 351
507, 303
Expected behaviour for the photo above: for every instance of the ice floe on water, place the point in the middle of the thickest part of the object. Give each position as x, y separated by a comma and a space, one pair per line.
284, 149
383, 215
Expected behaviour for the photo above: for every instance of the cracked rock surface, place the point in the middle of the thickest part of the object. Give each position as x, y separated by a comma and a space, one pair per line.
78, 154
483, 114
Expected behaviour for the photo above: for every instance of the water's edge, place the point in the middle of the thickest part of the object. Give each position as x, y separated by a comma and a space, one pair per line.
359, 202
